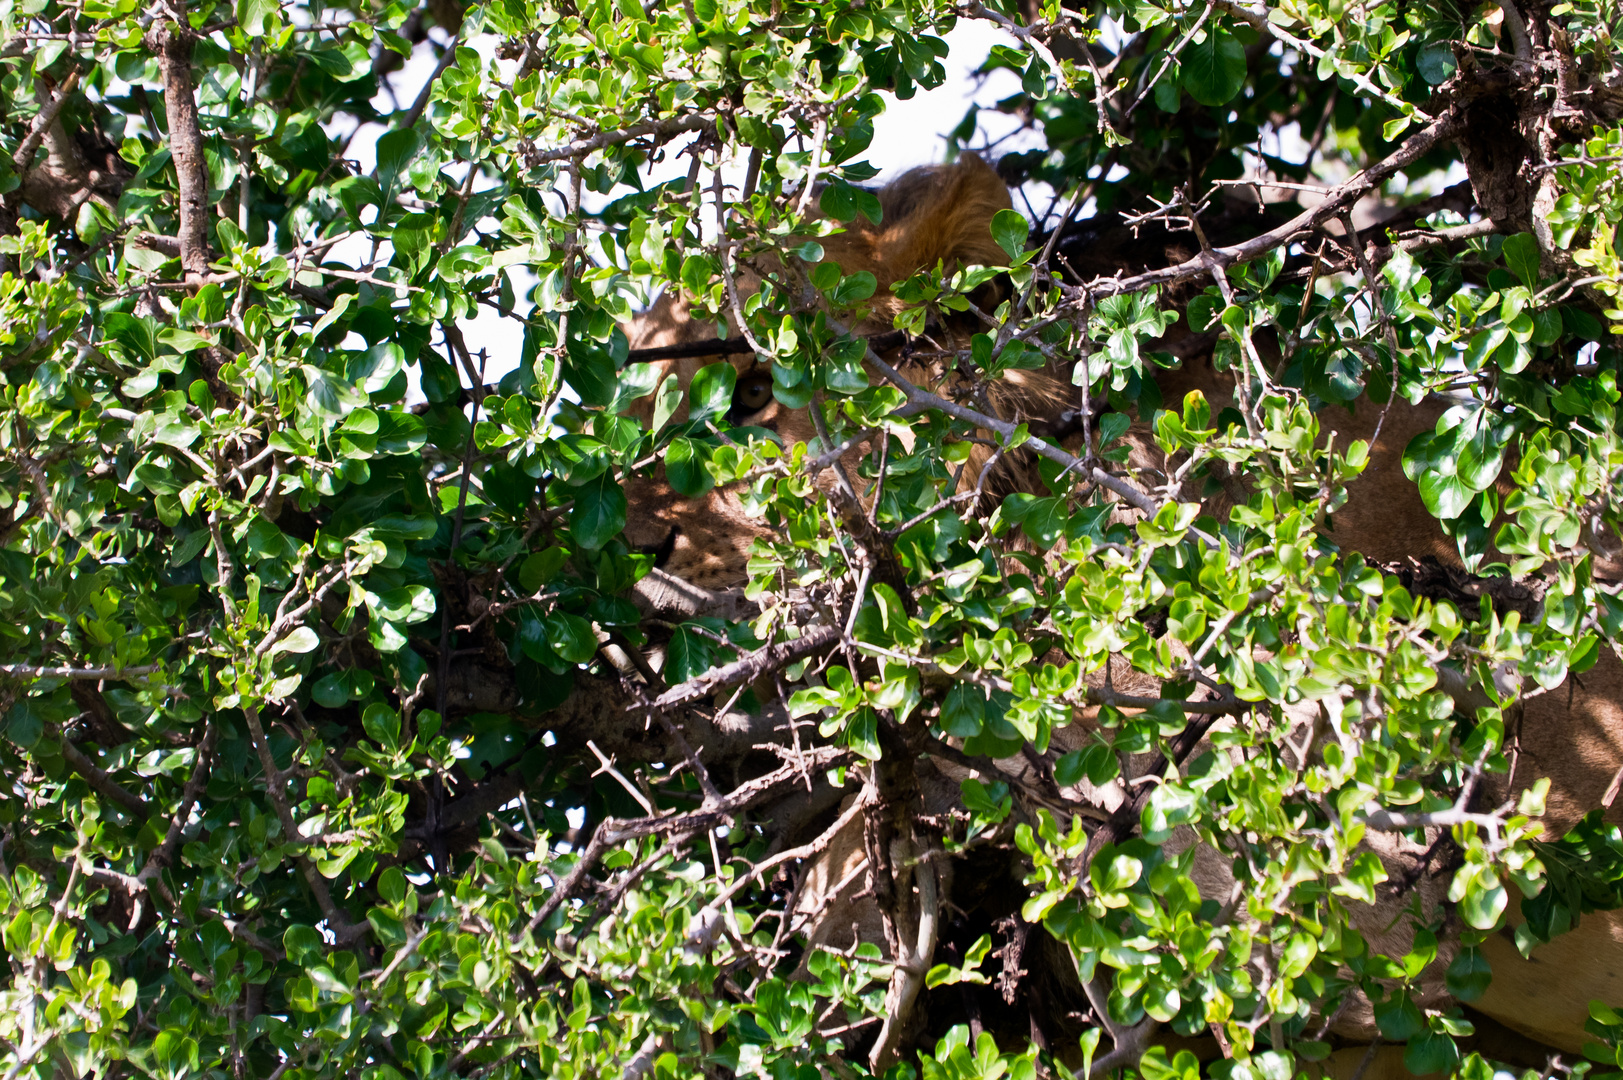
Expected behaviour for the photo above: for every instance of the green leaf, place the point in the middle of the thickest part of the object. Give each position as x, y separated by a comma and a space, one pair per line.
1169, 806
991, 801
1446, 496
711, 392
251, 15
599, 512
395, 150
825, 275
1009, 229
301, 640
1522, 256
690, 653
1214, 69
382, 725
853, 289
1430, 1052
571, 637
24, 724
1044, 520
589, 371
685, 468
1484, 899
1436, 63
1469, 974
963, 711
302, 944
408, 604
1399, 1018
540, 567
331, 691
838, 201
376, 368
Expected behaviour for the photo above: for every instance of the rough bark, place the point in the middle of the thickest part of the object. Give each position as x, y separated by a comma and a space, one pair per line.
173, 45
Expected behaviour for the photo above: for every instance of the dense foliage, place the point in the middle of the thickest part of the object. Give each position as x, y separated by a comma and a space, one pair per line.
315, 760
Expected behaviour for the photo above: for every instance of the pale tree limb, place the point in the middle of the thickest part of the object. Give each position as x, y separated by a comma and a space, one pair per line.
581, 147
23, 159
923, 399
173, 44
746, 668
907, 979
30, 671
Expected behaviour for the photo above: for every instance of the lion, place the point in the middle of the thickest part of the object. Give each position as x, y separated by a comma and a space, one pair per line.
1574, 735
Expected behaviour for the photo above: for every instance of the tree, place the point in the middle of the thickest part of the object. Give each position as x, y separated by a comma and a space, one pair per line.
319, 761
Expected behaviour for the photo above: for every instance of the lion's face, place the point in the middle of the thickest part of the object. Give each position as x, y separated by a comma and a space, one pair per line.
703, 542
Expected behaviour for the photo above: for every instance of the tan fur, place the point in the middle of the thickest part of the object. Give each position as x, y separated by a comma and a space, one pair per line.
1573, 735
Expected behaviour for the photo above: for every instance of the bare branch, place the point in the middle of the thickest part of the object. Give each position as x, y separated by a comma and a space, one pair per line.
101, 780
748, 667
23, 159
423, 97
923, 399
173, 44
581, 147
1344, 194
30, 671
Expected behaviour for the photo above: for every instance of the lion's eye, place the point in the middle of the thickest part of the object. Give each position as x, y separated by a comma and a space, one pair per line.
752, 394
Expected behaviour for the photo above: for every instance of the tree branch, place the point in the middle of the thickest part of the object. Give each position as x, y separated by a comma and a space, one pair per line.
173, 44
1342, 195
101, 780
345, 930
30, 671
164, 853
748, 667
23, 159
923, 399
582, 147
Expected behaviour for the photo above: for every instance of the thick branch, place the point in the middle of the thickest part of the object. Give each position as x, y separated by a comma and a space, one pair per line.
173, 44
23, 159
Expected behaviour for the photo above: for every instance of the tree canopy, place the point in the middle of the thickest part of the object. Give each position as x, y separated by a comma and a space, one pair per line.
336, 744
